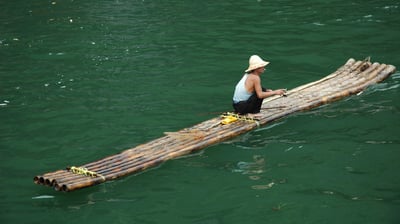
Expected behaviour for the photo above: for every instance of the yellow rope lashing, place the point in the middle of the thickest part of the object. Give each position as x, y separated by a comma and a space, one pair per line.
85, 172
229, 117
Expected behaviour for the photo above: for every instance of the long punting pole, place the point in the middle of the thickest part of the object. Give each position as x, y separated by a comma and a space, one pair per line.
351, 78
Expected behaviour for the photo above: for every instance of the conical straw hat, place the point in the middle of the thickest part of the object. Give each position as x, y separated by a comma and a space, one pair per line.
256, 62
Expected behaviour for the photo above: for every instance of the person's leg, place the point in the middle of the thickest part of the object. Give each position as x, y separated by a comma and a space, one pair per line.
241, 107
255, 103
252, 105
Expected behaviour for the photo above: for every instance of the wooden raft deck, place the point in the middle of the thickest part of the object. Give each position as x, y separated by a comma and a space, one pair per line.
351, 78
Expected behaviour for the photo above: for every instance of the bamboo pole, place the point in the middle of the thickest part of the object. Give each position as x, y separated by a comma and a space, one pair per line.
136, 167
150, 160
41, 179
352, 77
347, 92
162, 158
73, 178
329, 97
297, 94
127, 163
351, 65
150, 151
333, 96
310, 91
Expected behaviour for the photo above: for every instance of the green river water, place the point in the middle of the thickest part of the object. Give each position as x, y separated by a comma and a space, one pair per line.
81, 80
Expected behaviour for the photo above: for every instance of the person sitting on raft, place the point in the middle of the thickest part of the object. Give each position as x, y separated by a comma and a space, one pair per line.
249, 94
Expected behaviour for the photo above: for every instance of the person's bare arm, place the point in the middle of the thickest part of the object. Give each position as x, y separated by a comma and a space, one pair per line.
268, 93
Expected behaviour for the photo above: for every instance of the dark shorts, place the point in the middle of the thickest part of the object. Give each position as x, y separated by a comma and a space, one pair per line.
252, 105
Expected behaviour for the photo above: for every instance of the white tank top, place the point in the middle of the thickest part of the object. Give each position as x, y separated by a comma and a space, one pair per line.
241, 93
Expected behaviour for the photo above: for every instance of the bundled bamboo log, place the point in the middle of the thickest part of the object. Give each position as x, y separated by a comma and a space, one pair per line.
351, 78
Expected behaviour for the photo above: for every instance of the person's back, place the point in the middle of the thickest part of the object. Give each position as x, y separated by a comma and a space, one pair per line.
241, 93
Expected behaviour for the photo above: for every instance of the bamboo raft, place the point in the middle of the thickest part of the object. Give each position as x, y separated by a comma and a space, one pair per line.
353, 77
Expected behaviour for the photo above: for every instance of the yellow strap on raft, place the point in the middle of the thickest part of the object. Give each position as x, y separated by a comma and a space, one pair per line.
85, 172
229, 117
